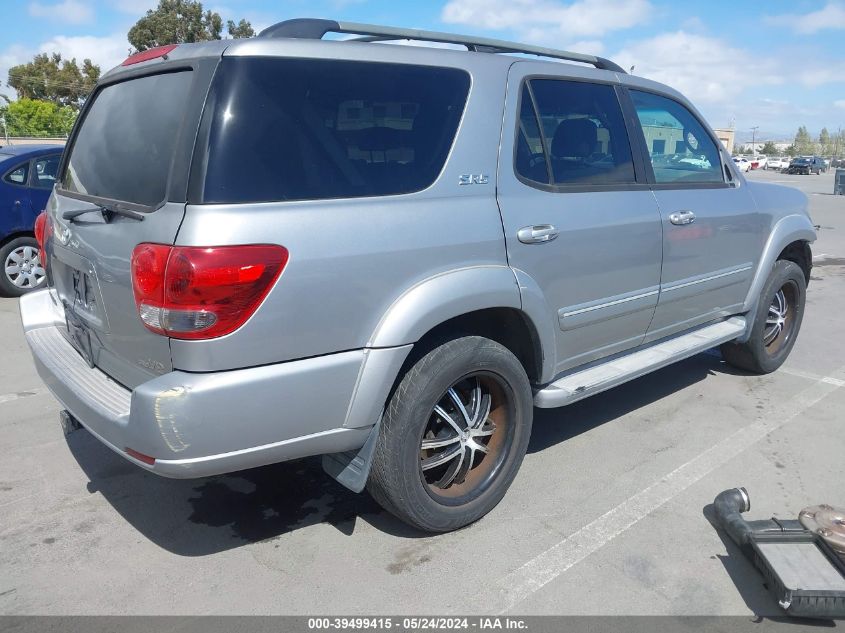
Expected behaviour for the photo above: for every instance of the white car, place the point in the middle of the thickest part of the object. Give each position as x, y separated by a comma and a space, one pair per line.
776, 162
743, 164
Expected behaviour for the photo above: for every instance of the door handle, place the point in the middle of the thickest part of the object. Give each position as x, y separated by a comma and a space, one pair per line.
537, 234
682, 217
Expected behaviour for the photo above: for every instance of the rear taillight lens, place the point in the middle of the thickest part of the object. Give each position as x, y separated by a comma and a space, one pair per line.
41, 229
190, 292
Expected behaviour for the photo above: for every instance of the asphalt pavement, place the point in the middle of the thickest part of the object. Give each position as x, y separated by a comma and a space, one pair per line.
609, 514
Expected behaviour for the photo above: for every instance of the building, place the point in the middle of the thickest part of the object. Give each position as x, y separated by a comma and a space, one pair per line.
727, 137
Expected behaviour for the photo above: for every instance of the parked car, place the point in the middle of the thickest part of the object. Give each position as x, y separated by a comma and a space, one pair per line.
742, 163
337, 248
806, 165
777, 162
27, 174
759, 162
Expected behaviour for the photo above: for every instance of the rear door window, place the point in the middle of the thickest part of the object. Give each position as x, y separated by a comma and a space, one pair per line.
125, 147
583, 133
680, 148
305, 129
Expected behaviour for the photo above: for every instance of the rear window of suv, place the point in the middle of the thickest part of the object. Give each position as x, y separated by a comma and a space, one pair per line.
127, 140
307, 129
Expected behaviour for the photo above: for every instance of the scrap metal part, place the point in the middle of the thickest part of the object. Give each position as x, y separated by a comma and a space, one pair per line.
828, 522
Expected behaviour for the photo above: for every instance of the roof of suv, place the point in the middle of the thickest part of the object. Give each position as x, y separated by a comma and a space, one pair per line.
303, 38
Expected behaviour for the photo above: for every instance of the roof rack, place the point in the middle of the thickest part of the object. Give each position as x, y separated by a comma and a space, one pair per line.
315, 29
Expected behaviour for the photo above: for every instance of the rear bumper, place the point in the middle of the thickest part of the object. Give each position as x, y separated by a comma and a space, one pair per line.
196, 425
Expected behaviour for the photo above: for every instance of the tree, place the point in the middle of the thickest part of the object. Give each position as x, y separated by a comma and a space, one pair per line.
803, 142
769, 149
824, 141
240, 30
179, 21
33, 117
791, 151
49, 78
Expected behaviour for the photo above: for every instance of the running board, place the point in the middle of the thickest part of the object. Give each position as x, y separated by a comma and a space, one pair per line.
598, 378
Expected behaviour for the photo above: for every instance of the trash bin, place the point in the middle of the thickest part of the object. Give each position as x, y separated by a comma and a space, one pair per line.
839, 182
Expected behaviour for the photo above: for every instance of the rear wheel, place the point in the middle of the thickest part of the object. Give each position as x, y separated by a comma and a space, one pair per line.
453, 435
776, 323
22, 269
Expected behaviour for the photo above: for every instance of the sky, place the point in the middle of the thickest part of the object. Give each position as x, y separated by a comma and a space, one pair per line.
774, 65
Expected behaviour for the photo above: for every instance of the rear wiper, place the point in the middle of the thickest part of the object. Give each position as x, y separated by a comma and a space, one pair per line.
105, 210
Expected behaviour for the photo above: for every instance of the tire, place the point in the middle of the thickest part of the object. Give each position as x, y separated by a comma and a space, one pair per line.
422, 485
782, 301
20, 267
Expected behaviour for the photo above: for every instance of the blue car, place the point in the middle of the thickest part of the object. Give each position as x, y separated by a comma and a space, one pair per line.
27, 174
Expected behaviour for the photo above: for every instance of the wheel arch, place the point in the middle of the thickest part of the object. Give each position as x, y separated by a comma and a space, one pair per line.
790, 238
789, 230
479, 300
15, 235
494, 301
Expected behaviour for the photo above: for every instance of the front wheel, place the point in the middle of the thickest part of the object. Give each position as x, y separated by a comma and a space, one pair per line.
453, 435
22, 269
776, 323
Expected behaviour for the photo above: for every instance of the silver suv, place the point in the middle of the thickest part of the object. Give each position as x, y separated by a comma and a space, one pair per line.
266, 249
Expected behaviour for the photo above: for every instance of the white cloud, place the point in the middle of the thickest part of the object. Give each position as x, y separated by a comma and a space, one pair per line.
706, 69
840, 103
549, 20
727, 82
589, 47
12, 56
831, 16
67, 11
107, 51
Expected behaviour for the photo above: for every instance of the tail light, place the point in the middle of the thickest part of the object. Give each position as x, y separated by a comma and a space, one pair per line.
41, 229
190, 292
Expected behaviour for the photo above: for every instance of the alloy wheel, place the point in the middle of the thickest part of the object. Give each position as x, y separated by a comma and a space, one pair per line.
780, 319
466, 436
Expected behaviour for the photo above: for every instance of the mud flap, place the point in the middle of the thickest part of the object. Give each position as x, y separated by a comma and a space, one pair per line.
352, 468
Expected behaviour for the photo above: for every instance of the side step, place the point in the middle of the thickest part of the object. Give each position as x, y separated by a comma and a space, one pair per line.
598, 378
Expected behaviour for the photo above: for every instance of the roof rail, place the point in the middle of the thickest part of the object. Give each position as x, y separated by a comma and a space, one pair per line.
315, 29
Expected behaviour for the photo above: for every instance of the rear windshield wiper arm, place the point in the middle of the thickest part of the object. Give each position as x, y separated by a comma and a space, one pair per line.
105, 210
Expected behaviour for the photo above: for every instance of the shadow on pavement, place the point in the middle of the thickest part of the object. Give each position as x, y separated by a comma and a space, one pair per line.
204, 516
198, 517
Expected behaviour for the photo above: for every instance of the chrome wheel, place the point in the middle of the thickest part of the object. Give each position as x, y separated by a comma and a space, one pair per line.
464, 439
780, 318
23, 268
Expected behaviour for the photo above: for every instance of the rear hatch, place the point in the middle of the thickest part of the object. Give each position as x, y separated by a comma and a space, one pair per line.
123, 181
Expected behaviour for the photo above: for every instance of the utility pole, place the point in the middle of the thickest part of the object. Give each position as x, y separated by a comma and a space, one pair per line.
753, 139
